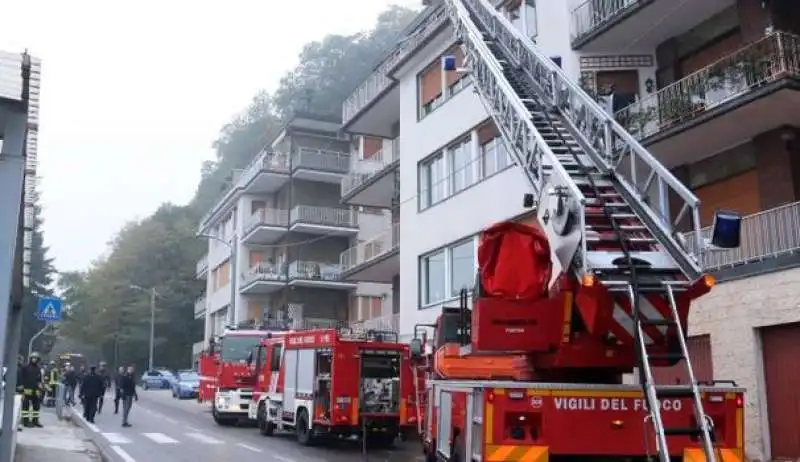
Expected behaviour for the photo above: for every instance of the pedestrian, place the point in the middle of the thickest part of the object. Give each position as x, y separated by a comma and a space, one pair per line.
70, 383
32, 386
127, 388
117, 394
103, 373
80, 375
91, 391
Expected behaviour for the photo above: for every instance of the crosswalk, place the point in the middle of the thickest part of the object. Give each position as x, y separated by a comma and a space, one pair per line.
160, 438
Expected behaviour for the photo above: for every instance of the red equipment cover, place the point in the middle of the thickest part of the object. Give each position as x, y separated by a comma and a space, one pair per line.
514, 262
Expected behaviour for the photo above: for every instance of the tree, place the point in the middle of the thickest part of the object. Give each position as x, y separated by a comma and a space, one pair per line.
161, 251
42, 273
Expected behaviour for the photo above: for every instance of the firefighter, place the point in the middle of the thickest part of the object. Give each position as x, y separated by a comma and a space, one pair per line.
53, 378
103, 373
32, 387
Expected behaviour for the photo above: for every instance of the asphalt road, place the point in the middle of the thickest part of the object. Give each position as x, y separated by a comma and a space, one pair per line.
170, 430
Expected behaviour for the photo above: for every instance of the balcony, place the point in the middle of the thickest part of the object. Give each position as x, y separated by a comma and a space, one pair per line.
613, 25
323, 220
266, 226
771, 237
373, 107
728, 102
376, 260
390, 323
200, 308
317, 275
320, 165
263, 278
201, 269
370, 183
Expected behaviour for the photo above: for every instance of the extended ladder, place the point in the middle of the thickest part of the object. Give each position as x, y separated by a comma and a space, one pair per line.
603, 215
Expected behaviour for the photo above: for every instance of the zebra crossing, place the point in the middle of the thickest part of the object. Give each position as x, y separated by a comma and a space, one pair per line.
162, 438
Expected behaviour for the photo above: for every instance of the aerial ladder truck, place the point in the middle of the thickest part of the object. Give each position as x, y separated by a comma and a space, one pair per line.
533, 370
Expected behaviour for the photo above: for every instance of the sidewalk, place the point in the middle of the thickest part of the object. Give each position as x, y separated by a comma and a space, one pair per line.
58, 441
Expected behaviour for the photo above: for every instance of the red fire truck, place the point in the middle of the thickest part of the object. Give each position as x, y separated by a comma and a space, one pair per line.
226, 377
335, 383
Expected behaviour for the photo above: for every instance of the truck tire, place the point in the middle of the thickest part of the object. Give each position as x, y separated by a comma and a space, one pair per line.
265, 427
305, 433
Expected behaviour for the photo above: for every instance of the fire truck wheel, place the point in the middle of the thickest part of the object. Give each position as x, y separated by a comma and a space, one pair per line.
265, 427
305, 434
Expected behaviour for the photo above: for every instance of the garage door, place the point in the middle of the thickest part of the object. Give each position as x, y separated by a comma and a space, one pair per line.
700, 354
781, 345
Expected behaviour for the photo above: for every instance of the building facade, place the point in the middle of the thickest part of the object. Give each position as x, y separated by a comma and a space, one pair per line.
707, 87
276, 237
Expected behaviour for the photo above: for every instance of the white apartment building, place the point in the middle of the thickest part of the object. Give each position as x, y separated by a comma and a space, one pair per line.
709, 87
285, 223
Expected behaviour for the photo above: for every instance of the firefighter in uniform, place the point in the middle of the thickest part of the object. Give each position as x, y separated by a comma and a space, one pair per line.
32, 387
53, 378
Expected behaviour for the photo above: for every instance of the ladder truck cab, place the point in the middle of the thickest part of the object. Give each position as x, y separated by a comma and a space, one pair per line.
230, 373
335, 383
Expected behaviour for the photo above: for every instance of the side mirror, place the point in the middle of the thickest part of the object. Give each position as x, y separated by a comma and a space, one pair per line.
726, 231
415, 347
250, 358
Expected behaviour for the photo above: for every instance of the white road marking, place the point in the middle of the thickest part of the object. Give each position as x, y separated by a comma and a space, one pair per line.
160, 438
282, 459
248, 447
122, 454
204, 438
116, 438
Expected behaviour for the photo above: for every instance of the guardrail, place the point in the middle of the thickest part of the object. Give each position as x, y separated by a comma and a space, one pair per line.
768, 59
267, 272
202, 265
320, 159
315, 271
364, 252
325, 216
266, 217
200, 306
385, 323
364, 169
764, 235
593, 14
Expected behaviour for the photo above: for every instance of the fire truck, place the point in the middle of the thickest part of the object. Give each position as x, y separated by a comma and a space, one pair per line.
335, 383
226, 377
532, 366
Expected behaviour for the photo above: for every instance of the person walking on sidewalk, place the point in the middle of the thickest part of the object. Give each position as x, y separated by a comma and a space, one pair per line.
70, 383
127, 389
32, 386
117, 393
92, 389
103, 373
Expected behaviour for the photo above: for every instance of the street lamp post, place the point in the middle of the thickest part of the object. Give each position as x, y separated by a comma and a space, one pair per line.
153, 295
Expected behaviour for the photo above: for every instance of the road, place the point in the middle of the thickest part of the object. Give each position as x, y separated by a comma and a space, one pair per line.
170, 430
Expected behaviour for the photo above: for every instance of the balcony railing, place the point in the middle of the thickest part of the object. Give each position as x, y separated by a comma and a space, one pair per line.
202, 265
386, 323
267, 217
200, 306
324, 216
365, 169
379, 81
320, 159
371, 249
771, 58
264, 272
593, 14
315, 271
768, 234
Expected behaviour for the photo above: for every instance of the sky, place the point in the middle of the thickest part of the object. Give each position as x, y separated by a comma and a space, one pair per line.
133, 94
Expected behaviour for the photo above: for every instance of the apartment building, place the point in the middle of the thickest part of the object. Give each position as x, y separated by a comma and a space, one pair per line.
709, 87
275, 238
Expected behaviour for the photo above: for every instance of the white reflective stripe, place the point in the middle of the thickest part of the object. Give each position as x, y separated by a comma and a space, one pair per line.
650, 312
160, 438
626, 321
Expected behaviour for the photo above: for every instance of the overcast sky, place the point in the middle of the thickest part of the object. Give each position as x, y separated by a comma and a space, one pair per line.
133, 94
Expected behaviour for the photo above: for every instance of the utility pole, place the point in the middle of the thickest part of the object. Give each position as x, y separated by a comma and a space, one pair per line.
152, 326
35, 336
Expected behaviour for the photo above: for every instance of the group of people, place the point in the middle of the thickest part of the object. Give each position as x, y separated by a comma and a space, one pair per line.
36, 382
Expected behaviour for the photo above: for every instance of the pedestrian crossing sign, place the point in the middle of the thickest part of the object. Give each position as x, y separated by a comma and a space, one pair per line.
49, 309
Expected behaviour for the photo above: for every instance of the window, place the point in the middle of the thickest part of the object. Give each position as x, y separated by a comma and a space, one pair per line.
494, 157
435, 86
434, 278
446, 271
460, 168
275, 365
462, 266
237, 348
532, 20
432, 181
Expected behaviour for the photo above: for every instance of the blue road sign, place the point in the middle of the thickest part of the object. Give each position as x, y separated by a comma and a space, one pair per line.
49, 309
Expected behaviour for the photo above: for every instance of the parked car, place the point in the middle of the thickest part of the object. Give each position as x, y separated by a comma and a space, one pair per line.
169, 376
187, 385
157, 379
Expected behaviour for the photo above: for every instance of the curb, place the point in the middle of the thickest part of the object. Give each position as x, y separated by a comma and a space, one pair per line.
103, 447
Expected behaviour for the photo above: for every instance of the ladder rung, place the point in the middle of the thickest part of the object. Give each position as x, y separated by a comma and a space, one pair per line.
608, 237
674, 392
657, 322
683, 431
672, 356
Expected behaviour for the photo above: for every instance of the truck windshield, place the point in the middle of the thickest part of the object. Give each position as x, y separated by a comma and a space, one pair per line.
237, 349
380, 381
